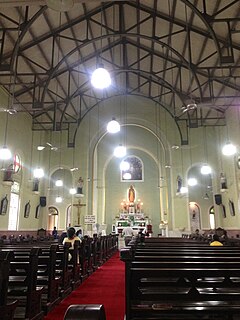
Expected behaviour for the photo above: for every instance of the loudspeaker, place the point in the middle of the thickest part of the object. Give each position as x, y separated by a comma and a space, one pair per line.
218, 199
43, 201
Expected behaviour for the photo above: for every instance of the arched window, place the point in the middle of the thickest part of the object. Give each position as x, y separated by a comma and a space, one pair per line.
212, 218
132, 169
14, 207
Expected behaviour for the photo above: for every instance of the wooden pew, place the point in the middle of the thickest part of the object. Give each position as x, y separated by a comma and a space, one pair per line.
170, 288
23, 286
85, 311
46, 274
63, 270
7, 310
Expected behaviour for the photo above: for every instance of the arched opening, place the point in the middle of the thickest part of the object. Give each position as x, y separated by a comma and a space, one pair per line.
53, 216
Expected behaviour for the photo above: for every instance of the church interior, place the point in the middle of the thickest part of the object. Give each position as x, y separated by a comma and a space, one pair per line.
172, 89
119, 159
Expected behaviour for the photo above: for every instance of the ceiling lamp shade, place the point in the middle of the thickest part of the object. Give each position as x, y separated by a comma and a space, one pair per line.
120, 151
38, 173
59, 183
113, 126
60, 5
5, 153
72, 191
192, 182
58, 199
127, 176
124, 165
206, 169
101, 78
229, 149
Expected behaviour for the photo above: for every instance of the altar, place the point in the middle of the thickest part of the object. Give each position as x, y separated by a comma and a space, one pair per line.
132, 213
138, 223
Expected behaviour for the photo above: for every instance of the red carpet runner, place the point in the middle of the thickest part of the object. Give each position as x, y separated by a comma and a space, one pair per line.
105, 286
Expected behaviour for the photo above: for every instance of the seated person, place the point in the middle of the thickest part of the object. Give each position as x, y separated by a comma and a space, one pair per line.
71, 237
127, 233
55, 233
216, 241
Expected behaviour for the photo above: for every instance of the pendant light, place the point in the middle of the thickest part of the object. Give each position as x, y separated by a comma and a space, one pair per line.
124, 165
120, 151
205, 169
38, 173
100, 77
58, 199
229, 149
192, 182
5, 153
113, 126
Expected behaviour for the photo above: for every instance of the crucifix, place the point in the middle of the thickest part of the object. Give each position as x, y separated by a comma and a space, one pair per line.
79, 205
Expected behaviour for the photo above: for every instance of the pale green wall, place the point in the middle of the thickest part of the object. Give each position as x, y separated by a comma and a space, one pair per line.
100, 170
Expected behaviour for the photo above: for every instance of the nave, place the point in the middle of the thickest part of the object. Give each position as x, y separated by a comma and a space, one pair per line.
105, 286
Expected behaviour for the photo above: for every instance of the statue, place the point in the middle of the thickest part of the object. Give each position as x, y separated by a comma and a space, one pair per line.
223, 181
179, 184
131, 194
35, 185
80, 186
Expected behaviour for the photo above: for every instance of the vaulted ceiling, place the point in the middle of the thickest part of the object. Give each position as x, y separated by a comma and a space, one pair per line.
175, 52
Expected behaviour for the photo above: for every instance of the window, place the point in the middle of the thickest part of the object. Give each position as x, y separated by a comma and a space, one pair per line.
212, 218
135, 170
16, 163
14, 207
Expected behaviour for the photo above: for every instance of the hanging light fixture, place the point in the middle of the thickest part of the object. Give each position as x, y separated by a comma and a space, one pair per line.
229, 149
124, 165
113, 126
206, 169
101, 78
38, 173
59, 183
5, 153
192, 182
72, 191
120, 151
58, 199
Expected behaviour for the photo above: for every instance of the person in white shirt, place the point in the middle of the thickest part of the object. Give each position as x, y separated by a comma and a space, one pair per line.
128, 234
71, 237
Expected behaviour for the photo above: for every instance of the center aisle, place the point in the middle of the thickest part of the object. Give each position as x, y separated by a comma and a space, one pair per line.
105, 286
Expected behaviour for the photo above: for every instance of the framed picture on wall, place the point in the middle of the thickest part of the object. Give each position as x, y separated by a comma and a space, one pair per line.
4, 205
37, 212
231, 207
27, 209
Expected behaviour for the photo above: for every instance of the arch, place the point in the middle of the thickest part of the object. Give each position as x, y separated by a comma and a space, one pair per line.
53, 217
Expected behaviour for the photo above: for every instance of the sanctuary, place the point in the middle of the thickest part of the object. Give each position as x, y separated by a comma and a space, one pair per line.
132, 212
